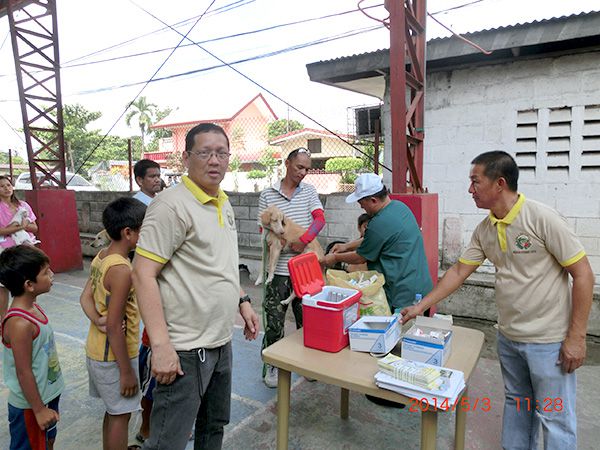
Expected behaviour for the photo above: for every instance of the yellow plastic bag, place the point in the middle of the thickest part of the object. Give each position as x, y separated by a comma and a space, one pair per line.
373, 301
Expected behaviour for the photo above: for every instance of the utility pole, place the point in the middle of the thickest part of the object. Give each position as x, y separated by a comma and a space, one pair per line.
407, 25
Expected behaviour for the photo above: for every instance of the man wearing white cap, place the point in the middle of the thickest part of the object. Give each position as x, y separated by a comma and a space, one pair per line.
392, 245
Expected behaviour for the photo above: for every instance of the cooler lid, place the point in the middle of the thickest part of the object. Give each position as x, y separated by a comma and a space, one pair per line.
306, 275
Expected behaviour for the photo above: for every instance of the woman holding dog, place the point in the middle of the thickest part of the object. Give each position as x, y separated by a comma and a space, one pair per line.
299, 202
9, 206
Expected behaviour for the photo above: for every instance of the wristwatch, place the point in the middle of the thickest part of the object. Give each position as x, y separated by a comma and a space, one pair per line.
245, 298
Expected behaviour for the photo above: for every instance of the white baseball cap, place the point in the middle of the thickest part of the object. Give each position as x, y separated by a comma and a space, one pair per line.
366, 184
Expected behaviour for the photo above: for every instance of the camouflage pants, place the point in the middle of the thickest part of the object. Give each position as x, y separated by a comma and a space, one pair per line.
274, 312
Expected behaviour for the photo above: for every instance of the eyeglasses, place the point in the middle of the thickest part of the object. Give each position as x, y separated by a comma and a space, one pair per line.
204, 155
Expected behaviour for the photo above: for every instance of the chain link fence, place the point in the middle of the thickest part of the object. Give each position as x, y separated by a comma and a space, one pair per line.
260, 144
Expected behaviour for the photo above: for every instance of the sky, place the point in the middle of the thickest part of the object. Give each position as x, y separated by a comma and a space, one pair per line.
87, 28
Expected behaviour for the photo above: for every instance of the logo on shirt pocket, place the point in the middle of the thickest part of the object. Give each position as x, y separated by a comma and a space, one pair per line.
524, 244
230, 220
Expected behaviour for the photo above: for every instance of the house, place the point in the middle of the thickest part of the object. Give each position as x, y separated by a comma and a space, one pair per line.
245, 126
537, 96
321, 143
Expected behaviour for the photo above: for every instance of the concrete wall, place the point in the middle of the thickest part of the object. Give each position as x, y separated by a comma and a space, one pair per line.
474, 299
470, 111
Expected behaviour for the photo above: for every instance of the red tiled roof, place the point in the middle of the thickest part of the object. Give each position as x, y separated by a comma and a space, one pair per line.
164, 123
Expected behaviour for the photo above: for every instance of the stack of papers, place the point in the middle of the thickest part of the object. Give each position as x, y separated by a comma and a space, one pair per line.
406, 370
443, 392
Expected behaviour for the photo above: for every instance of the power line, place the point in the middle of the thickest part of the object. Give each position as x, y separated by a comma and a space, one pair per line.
239, 61
11, 127
260, 86
220, 38
142, 89
4, 40
222, 9
456, 7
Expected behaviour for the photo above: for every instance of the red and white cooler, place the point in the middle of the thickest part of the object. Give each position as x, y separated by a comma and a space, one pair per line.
328, 311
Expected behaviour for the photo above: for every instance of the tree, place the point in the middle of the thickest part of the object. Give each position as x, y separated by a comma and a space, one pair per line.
234, 166
368, 155
256, 175
237, 138
282, 126
144, 113
16, 159
159, 133
267, 159
175, 162
347, 166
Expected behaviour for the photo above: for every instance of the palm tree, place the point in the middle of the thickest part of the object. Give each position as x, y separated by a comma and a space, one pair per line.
145, 113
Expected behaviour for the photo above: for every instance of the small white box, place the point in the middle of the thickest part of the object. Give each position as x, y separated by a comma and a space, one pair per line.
426, 348
377, 334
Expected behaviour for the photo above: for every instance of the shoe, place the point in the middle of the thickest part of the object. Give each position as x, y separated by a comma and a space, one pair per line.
384, 402
270, 378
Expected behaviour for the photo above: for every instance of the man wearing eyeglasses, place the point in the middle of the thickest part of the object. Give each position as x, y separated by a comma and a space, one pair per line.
187, 282
299, 202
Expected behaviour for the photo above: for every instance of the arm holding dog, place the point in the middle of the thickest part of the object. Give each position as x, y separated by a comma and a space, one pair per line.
311, 233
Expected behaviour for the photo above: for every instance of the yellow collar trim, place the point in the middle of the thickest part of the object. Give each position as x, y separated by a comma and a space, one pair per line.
501, 224
204, 198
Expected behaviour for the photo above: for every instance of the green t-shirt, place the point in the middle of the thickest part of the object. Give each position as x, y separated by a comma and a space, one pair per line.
393, 245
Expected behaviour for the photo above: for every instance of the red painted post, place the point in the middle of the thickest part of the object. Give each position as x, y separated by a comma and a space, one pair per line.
397, 94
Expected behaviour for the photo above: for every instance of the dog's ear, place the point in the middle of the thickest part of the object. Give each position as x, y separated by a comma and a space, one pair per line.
265, 217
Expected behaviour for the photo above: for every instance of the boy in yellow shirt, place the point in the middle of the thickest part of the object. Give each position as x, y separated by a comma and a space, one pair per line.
112, 349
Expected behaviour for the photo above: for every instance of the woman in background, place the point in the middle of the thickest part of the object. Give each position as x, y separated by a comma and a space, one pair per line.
17, 225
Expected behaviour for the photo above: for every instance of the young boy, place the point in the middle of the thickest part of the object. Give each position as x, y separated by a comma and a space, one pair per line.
112, 349
31, 369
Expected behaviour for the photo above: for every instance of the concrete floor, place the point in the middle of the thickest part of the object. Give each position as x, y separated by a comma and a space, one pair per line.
314, 419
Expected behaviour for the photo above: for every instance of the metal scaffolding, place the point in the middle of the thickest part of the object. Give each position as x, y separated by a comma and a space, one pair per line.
34, 36
407, 92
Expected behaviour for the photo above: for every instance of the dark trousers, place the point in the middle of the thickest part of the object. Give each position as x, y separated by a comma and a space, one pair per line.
202, 395
274, 312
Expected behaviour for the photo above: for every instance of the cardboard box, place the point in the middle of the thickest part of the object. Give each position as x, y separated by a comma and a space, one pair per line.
426, 348
377, 334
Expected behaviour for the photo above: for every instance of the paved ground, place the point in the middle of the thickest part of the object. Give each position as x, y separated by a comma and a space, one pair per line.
314, 419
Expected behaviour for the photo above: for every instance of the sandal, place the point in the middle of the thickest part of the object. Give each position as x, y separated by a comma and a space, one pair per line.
140, 438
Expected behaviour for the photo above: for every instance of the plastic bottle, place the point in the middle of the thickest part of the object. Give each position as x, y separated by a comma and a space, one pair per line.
418, 298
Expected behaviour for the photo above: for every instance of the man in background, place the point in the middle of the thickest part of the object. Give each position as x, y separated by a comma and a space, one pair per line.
147, 177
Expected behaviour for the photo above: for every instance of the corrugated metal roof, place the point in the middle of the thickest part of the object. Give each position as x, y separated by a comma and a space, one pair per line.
557, 35
528, 33
518, 24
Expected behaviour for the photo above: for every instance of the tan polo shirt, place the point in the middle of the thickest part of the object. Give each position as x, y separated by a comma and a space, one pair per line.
194, 236
530, 248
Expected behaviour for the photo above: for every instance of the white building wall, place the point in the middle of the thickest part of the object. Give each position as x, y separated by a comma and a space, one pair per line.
471, 111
